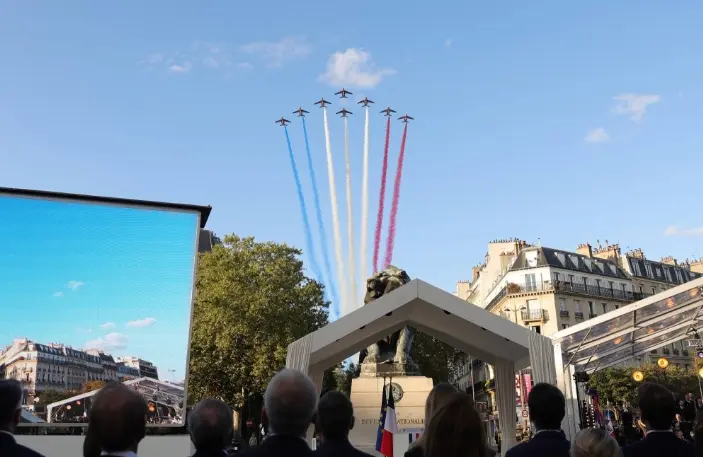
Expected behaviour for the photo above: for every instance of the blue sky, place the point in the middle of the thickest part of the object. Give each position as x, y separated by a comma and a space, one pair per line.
564, 121
94, 276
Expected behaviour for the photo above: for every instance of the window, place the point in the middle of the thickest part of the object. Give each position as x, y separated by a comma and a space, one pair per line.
678, 276
585, 282
590, 307
648, 268
610, 284
616, 306
578, 305
530, 283
636, 267
667, 273
564, 326
556, 277
654, 290
605, 307
623, 286
571, 279
536, 329
562, 304
598, 283
641, 288
532, 305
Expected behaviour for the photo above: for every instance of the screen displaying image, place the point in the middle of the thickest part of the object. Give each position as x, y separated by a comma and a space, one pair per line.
94, 292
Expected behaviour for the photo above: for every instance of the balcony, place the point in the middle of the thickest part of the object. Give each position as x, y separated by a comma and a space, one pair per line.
532, 315
666, 351
684, 352
564, 313
512, 288
578, 315
592, 315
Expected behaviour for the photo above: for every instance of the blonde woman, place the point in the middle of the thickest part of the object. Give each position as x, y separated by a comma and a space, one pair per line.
595, 442
438, 396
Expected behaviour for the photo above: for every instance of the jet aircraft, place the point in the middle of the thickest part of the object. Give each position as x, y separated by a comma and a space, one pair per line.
322, 103
343, 93
365, 102
283, 122
406, 118
345, 112
300, 112
388, 111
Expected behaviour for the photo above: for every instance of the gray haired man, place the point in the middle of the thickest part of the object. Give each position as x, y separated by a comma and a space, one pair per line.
290, 403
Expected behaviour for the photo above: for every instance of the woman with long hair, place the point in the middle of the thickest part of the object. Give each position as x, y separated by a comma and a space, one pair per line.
436, 398
456, 430
595, 442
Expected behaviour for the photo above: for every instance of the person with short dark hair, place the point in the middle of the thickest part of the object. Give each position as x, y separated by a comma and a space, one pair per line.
335, 418
547, 410
211, 427
117, 420
10, 416
658, 408
456, 430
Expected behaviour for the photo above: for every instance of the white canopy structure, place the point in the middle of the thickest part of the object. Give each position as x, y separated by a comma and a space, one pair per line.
625, 333
473, 330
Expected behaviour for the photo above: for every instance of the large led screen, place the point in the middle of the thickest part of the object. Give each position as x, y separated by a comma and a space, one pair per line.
95, 291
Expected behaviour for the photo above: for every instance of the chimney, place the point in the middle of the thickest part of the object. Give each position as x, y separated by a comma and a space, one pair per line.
475, 273
585, 249
637, 254
697, 266
669, 260
609, 252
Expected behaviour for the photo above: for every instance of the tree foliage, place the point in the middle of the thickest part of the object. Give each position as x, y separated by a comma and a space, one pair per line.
434, 357
615, 385
51, 396
90, 386
252, 300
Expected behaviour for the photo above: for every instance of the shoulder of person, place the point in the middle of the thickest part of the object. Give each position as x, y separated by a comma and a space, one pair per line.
24, 451
414, 451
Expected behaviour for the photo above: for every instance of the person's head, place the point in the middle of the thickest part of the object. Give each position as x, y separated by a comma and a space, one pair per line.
657, 406
211, 425
118, 418
335, 416
290, 401
547, 406
689, 396
681, 403
437, 398
595, 442
455, 429
10, 404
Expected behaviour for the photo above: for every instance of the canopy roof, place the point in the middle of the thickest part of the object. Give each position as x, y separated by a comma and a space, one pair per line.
635, 329
428, 309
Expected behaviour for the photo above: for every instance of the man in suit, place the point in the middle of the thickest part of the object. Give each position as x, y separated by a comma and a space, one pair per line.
658, 408
335, 418
117, 420
211, 427
290, 402
547, 410
10, 414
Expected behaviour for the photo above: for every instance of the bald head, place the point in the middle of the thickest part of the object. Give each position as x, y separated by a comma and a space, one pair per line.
210, 425
290, 402
118, 418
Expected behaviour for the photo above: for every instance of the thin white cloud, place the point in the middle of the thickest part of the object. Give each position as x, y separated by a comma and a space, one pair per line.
109, 342
277, 53
141, 323
353, 68
75, 285
634, 105
108, 326
598, 135
673, 230
58, 294
201, 54
448, 43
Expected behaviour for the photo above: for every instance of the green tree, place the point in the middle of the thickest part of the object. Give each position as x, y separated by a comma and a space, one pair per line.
51, 396
90, 386
435, 358
252, 300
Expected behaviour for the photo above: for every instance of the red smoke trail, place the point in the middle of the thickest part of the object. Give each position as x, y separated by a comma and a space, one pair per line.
396, 198
381, 199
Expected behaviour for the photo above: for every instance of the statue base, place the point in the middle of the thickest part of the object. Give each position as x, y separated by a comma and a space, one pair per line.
410, 394
388, 370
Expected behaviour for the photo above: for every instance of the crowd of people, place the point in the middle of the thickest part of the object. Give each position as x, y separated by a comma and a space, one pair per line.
453, 426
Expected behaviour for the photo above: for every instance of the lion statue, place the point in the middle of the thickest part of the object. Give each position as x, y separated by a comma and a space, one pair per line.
395, 348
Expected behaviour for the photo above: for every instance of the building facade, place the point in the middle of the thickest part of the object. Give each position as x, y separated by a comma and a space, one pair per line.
44, 367
145, 368
548, 289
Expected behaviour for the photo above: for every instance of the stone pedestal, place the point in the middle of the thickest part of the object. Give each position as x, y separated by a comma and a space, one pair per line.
411, 394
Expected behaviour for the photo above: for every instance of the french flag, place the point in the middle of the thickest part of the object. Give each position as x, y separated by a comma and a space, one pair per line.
390, 427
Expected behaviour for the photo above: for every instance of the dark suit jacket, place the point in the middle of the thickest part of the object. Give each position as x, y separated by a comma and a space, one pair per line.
547, 443
10, 448
338, 448
280, 445
660, 444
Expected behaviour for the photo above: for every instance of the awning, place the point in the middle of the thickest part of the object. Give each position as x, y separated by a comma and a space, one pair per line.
635, 329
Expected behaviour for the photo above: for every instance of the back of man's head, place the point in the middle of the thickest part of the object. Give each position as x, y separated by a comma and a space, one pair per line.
657, 406
547, 406
118, 418
211, 425
335, 415
290, 402
10, 404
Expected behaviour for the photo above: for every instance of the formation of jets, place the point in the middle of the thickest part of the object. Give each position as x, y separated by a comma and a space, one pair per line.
322, 103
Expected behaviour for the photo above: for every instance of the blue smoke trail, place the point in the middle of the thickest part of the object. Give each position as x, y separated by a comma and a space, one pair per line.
334, 309
303, 210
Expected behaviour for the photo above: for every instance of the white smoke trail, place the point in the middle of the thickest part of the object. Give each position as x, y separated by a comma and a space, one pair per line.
335, 220
350, 222
365, 201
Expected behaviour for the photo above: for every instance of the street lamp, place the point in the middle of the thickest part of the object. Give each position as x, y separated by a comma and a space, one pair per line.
514, 311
